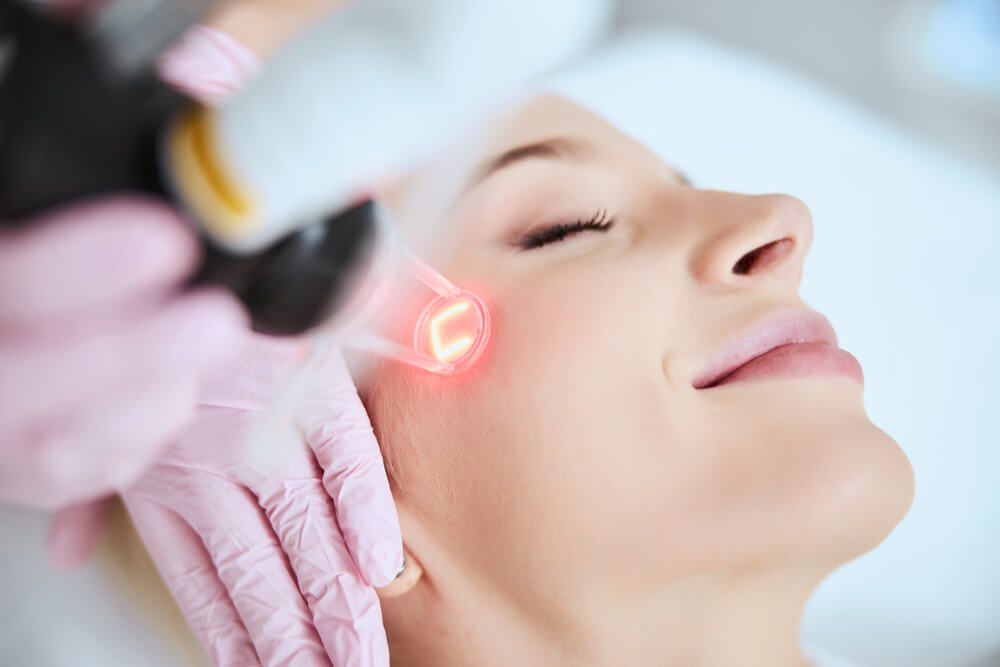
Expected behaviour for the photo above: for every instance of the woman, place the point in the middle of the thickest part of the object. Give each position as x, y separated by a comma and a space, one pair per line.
661, 453
613, 484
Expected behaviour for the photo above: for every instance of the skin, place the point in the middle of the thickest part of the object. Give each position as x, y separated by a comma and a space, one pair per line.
572, 499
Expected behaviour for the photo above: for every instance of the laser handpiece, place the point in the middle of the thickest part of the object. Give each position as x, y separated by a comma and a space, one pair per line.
102, 122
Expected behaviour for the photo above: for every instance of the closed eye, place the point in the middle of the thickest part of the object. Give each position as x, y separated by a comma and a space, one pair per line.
537, 238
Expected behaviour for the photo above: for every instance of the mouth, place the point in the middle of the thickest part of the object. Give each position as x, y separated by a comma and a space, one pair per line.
798, 344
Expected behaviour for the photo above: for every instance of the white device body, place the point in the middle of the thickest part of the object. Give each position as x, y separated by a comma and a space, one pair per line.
381, 83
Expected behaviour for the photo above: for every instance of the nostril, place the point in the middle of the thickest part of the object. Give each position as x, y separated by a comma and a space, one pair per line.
760, 259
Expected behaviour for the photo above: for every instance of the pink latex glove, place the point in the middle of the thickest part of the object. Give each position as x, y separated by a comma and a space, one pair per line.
208, 65
116, 255
272, 561
266, 562
271, 549
99, 357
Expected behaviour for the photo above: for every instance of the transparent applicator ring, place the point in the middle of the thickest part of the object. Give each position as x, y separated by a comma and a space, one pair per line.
449, 334
451, 330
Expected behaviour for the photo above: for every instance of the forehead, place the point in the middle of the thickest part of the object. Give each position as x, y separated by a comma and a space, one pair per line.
543, 117
433, 187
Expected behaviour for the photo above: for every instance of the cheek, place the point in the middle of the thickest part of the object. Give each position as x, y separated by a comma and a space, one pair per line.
572, 424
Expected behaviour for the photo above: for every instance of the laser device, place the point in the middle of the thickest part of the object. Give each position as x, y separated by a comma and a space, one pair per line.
83, 114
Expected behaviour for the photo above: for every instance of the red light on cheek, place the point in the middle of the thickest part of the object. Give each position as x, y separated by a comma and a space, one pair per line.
454, 331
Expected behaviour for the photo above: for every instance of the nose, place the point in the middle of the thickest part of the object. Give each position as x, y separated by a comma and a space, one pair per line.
747, 239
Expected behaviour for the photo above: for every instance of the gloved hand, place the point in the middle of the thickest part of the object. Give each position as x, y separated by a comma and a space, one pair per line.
269, 530
99, 363
83, 253
265, 565
99, 359
272, 560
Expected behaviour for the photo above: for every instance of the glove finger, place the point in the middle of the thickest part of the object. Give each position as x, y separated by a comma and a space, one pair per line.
252, 565
76, 531
189, 336
90, 257
189, 573
344, 608
340, 434
103, 448
208, 65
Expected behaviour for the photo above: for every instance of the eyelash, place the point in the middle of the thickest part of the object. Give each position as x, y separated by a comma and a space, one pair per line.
555, 233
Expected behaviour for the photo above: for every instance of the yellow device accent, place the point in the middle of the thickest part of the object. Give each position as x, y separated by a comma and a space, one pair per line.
203, 182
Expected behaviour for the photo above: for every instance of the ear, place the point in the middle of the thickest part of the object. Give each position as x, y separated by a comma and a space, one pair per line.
405, 580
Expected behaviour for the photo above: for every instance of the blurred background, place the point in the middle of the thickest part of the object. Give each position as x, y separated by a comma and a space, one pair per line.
933, 66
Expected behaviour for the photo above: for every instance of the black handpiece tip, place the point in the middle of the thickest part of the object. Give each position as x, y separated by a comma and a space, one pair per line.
303, 280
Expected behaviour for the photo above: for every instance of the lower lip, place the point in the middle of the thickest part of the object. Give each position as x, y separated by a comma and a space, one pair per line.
797, 360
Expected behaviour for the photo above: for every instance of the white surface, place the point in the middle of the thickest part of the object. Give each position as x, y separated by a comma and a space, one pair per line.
906, 264
66, 619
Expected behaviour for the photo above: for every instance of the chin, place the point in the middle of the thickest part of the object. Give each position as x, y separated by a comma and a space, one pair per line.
845, 483
861, 491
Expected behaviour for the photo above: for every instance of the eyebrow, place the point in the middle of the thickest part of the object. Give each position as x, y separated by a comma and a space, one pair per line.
557, 148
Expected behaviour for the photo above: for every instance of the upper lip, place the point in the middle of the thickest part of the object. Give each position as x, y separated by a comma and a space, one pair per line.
800, 326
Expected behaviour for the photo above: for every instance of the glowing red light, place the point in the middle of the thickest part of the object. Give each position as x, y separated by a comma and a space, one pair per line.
441, 347
454, 331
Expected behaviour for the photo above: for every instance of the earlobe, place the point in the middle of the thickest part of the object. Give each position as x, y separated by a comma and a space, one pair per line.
407, 578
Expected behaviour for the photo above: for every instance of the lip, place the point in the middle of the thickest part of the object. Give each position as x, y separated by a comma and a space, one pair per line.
795, 344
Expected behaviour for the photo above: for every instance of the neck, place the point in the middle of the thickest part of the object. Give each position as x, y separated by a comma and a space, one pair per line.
718, 620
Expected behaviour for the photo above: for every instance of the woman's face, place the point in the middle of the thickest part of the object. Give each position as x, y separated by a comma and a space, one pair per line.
582, 449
